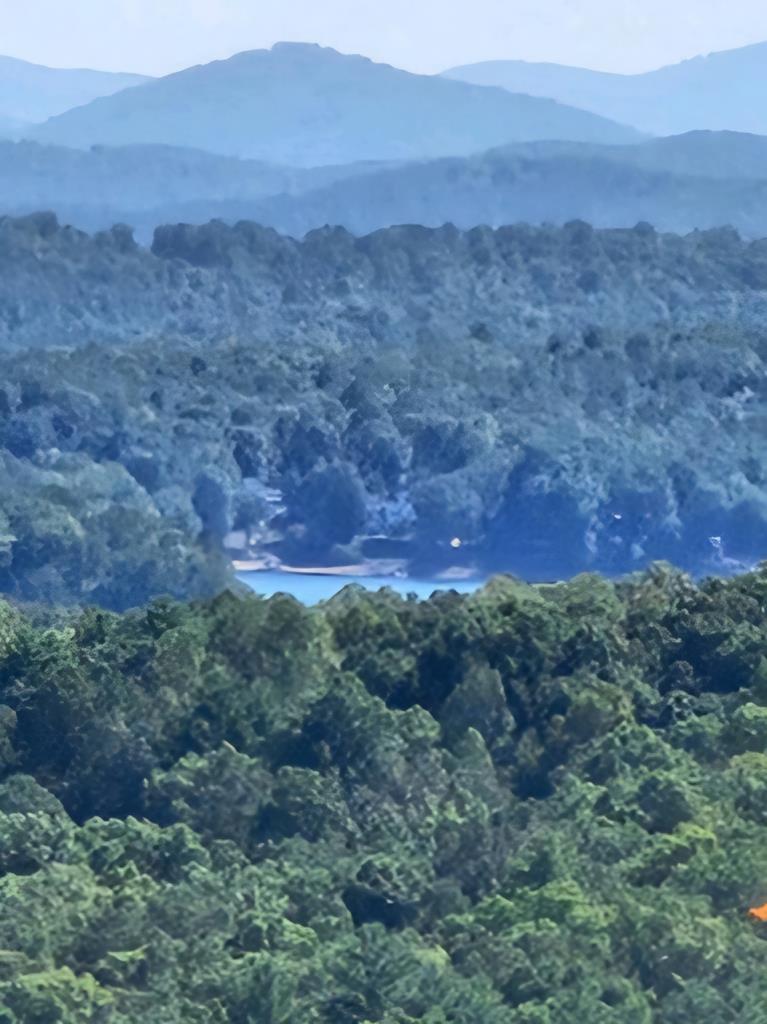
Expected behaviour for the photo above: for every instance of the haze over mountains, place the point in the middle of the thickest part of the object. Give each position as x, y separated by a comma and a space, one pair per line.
31, 93
305, 105
719, 91
699, 180
109, 181
12, 128
678, 184
300, 136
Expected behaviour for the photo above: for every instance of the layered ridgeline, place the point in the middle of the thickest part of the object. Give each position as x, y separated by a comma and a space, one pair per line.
698, 180
717, 91
303, 105
32, 93
683, 183
557, 399
148, 185
530, 805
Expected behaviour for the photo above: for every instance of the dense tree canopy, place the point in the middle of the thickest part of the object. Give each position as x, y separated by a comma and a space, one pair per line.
559, 399
121, 470
532, 805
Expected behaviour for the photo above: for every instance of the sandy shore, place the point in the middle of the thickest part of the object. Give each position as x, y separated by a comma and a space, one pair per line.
396, 568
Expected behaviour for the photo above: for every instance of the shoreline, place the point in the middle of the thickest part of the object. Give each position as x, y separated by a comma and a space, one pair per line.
395, 569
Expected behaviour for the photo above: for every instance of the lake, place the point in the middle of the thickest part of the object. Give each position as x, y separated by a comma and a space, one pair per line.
311, 588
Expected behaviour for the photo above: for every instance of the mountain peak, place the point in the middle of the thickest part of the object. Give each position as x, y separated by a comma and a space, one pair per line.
297, 51
308, 105
293, 46
294, 57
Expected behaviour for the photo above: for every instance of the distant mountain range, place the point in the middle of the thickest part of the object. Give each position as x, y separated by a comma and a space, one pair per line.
31, 92
301, 136
719, 91
305, 105
698, 180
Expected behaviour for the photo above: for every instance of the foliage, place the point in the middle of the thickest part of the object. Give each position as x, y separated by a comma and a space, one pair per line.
532, 805
558, 399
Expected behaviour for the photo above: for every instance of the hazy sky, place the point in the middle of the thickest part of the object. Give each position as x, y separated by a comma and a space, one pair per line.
158, 36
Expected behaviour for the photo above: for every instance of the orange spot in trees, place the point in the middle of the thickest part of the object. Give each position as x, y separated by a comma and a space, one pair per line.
759, 913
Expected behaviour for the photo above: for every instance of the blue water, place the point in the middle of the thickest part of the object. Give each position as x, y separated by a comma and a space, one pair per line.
310, 589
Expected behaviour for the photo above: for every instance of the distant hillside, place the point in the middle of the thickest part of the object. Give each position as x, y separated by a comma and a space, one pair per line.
606, 186
719, 91
304, 105
699, 180
30, 92
699, 154
102, 185
558, 398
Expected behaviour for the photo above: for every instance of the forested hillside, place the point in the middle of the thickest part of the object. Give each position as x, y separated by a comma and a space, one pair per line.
528, 806
60, 286
556, 399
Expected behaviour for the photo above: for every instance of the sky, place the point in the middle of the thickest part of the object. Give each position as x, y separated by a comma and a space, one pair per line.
160, 36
